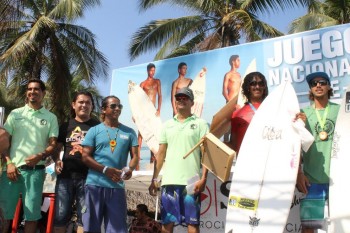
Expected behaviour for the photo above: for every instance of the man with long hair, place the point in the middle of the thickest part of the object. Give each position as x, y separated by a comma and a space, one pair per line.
105, 151
255, 90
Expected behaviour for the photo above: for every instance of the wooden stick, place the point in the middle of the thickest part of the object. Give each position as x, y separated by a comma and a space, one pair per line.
197, 145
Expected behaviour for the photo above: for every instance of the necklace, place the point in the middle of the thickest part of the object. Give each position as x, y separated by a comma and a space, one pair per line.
323, 134
112, 142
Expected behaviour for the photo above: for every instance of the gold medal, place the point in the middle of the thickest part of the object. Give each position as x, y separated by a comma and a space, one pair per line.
323, 135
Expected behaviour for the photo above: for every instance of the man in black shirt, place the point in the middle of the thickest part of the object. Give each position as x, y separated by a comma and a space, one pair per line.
70, 169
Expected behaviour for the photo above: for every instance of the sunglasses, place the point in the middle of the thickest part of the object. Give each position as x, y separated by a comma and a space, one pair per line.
114, 106
184, 98
321, 82
254, 83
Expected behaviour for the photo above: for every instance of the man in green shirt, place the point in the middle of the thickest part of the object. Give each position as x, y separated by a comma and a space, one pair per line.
33, 132
178, 136
313, 175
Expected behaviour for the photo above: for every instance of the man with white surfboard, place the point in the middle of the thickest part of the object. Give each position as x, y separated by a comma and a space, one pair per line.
255, 90
179, 135
179, 83
152, 88
313, 175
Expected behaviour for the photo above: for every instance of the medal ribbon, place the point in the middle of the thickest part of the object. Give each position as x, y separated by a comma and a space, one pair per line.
252, 107
324, 117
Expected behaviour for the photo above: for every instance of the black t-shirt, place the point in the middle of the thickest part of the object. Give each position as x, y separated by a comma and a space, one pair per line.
71, 135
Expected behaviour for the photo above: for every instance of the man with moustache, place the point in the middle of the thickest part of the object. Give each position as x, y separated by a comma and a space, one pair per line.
105, 151
33, 133
178, 136
313, 174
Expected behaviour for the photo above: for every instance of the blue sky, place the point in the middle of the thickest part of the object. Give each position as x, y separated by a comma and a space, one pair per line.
115, 21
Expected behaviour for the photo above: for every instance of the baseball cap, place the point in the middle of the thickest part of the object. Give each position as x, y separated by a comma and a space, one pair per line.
311, 76
185, 91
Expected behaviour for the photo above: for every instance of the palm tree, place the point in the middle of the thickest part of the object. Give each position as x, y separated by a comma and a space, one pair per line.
215, 24
39, 40
322, 14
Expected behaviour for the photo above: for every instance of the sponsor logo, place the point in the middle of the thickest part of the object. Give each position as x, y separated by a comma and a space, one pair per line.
253, 221
243, 203
271, 133
247, 203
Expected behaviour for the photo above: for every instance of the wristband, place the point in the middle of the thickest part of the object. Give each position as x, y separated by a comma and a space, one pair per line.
155, 179
9, 162
104, 169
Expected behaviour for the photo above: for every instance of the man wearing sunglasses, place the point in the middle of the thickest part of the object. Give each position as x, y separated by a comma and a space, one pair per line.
106, 147
255, 91
313, 175
178, 136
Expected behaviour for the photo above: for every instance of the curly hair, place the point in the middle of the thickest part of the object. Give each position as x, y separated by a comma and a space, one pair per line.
246, 84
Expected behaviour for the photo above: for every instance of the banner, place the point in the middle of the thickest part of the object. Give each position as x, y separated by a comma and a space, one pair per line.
290, 57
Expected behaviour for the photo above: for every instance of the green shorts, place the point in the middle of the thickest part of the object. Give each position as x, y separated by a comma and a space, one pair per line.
30, 184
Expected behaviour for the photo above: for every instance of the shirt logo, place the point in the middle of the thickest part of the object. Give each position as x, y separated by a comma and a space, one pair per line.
43, 122
123, 136
193, 126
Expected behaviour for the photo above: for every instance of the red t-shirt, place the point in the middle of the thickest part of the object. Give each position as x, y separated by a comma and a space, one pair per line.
240, 121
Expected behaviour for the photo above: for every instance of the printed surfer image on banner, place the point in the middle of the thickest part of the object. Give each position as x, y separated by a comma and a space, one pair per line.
2, 116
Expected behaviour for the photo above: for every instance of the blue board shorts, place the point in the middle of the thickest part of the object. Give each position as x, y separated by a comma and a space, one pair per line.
312, 206
178, 207
104, 204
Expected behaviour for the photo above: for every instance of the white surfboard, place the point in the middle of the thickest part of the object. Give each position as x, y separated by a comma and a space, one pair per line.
339, 192
251, 68
264, 177
144, 114
198, 88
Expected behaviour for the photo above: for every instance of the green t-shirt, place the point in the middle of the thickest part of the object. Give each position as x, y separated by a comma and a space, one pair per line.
30, 131
317, 159
180, 138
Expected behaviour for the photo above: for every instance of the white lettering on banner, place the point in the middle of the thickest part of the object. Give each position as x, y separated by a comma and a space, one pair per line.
309, 48
335, 68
